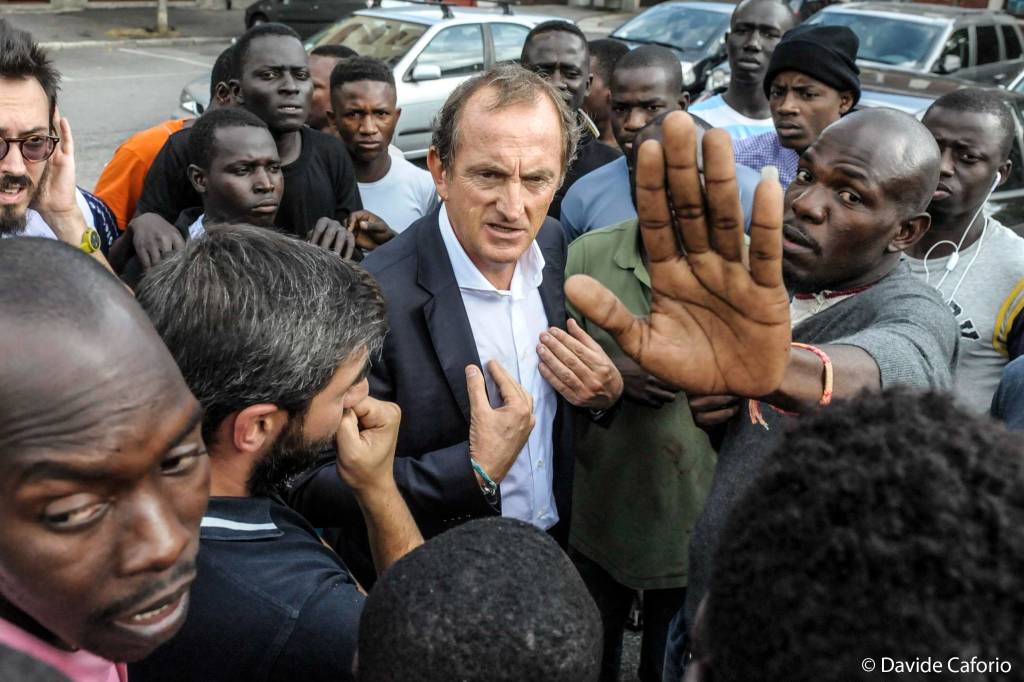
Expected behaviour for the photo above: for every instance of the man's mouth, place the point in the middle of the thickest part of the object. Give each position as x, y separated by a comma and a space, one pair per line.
942, 192
503, 229
13, 191
749, 63
788, 129
794, 240
265, 208
159, 615
292, 109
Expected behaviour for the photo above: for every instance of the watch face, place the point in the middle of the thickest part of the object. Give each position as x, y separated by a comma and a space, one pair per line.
94, 240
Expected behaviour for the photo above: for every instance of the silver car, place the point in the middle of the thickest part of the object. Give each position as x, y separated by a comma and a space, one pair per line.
431, 50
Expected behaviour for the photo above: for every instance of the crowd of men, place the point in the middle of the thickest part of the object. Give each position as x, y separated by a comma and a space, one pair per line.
278, 404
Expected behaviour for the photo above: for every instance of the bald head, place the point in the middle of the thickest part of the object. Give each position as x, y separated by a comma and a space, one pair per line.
907, 164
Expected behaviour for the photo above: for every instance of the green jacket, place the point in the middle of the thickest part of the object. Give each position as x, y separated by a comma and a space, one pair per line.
640, 483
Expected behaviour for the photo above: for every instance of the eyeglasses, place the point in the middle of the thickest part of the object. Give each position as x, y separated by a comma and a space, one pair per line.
34, 148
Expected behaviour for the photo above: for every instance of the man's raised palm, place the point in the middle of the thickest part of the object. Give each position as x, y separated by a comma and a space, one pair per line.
716, 327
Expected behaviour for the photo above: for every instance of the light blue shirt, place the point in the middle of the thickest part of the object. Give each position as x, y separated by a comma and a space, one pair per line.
602, 198
719, 114
506, 327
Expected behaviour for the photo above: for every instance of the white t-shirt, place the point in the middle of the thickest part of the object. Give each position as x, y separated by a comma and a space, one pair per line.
401, 197
719, 114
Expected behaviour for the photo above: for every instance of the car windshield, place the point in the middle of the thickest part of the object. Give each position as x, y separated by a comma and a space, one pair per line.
384, 39
887, 40
685, 28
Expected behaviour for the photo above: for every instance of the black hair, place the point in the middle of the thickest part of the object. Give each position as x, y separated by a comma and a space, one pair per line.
257, 31
493, 600
361, 69
654, 57
254, 316
890, 525
222, 70
21, 57
336, 51
201, 135
982, 101
554, 26
607, 52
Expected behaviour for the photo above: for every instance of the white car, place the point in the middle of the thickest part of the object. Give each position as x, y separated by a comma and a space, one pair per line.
431, 48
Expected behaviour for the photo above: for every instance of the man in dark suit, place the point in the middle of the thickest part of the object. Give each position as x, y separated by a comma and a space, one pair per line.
478, 284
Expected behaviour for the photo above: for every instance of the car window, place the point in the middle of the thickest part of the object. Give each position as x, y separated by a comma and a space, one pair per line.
1011, 42
988, 45
385, 39
458, 50
886, 39
957, 45
684, 28
508, 41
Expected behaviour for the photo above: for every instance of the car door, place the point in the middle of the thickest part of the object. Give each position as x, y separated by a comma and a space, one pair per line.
507, 41
987, 52
1008, 201
457, 52
956, 49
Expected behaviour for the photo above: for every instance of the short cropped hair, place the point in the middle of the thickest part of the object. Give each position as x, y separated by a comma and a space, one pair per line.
202, 134
656, 57
256, 316
891, 525
607, 52
357, 69
21, 57
222, 72
512, 84
557, 26
982, 101
258, 31
492, 600
335, 51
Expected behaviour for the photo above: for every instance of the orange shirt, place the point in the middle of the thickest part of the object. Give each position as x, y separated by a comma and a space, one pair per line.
120, 183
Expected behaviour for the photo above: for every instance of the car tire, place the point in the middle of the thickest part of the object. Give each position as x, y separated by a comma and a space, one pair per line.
257, 19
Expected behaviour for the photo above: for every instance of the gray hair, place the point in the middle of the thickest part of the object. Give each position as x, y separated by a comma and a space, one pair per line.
512, 84
255, 316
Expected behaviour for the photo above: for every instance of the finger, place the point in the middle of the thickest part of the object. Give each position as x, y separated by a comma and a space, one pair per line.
580, 334
716, 417
318, 230
334, 241
712, 402
67, 142
176, 242
766, 230
723, 195
348, 431
565, 366
569, 349
508, 387
145, 257
350, 245
684, 181
652, 203
372, 413
601, 306
477, 389
660, 395
557, 384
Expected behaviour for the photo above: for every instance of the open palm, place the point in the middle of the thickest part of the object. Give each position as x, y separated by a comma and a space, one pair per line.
716, 326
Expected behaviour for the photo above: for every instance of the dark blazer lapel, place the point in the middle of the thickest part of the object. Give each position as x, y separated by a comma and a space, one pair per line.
445, 314
551, 288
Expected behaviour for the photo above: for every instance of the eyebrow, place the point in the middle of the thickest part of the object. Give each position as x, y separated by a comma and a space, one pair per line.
31, 131
50, 469
852, 172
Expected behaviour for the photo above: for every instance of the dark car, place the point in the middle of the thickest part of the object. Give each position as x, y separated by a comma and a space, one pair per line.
305, 16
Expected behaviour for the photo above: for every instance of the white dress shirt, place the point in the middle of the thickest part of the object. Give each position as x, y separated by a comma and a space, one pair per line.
506, 327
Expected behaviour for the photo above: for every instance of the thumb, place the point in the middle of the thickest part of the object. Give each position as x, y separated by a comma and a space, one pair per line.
477, 390
347, 435
595, 302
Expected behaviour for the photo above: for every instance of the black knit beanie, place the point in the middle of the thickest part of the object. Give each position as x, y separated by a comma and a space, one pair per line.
827, 53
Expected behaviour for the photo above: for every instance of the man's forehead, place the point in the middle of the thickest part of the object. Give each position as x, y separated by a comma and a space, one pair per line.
243, 142
276, 50
368, 90
633, 82
761, 12
967, 125
23, 105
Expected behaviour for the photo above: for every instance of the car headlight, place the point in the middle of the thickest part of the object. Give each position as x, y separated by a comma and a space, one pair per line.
189, 103
689, 77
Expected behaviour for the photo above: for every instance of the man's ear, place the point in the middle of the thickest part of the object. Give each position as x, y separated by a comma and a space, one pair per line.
684, 100
1004, 172
909, 233
197, 176
398, 115
223, 95
257, 426
845, 102
437, 171
590, 84
235, 87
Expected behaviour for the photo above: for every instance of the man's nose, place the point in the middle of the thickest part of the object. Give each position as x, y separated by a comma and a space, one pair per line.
636, 119
947, 166
510, 203
368, 125
788, 104
753, 42
13, 162
262, 182
289, 84
808, 204
154, 538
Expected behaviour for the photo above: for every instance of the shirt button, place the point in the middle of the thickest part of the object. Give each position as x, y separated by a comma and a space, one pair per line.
540, 464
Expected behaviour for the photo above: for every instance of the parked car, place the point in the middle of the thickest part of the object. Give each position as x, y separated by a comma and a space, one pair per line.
929, 38
431, 50
693, 30
305, 16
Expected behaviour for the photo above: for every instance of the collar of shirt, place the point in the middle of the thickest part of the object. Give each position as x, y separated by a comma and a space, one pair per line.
239, 519
528, 275
629, 255
80, 665
197, 228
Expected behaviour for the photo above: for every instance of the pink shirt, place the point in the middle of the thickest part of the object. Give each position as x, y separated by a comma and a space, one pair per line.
80, 666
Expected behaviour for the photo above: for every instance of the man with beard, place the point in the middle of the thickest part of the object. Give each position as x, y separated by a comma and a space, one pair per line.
270, 78
105, 475
861, 320
755, 29
557, 50
37, 161
975, 262
812, 80
275, 337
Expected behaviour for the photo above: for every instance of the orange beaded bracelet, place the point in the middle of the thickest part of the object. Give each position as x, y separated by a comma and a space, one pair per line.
754, 406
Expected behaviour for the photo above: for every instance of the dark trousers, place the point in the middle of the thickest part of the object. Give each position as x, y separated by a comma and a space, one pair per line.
613, 601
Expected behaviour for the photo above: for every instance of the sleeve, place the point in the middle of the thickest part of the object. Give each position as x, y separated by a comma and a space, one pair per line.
120, 184
1008, 337
913, 338
322, 645
346, 189
167, 190
571, 215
